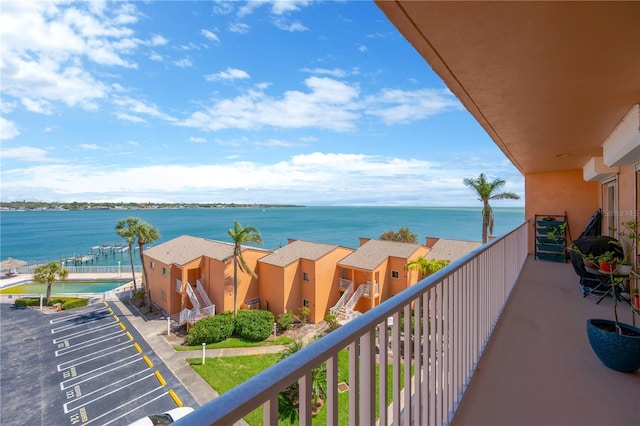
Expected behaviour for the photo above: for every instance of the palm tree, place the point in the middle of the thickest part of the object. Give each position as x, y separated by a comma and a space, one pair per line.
47, 273
126, 229
289, 407
240, 236
426, 266
487, 191
146, 234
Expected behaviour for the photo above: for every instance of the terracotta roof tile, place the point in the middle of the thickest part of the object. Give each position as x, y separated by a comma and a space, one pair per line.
372, 253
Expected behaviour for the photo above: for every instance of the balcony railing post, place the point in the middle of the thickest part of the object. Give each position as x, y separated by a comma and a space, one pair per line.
367, 378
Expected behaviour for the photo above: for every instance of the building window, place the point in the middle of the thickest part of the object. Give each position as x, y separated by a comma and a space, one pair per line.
164, 296
395, 274
165, 272
609, 206
305, 303
305, 276
153, 265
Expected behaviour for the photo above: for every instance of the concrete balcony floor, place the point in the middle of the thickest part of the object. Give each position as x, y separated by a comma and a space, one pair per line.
538, 368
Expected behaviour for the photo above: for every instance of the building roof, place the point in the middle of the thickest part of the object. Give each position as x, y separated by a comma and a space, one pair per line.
372, 253
186, 248
451, 250
297, 250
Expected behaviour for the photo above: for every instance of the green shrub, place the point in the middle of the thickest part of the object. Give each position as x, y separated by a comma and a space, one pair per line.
211, 329
74, 303
285, 320
304, 314
66, 302
254, 325
28, 301
332, 320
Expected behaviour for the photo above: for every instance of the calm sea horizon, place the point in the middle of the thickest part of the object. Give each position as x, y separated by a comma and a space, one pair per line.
39, 236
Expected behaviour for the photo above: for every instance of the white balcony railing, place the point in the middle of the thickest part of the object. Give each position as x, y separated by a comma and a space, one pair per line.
454, 310
345, 284
343, 299
367, 289
203, 294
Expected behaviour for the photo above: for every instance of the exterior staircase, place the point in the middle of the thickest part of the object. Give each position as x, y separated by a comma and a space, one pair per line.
202, 306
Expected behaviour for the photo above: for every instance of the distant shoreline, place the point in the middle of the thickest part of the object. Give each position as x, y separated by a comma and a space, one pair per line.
43, 206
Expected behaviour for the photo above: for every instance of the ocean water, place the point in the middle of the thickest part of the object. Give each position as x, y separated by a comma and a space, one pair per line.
39, 236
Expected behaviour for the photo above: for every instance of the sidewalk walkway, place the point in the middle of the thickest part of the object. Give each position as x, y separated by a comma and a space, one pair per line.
155, 333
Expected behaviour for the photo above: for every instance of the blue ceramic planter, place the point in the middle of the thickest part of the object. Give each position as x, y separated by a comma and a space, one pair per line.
619, 352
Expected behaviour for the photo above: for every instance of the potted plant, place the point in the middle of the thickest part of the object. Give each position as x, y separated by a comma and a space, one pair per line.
615, 343
608, 261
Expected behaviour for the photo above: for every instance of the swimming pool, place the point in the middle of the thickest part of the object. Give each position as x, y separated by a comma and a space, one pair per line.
64, 287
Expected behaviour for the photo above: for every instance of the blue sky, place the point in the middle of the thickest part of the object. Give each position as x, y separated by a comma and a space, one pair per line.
302, 102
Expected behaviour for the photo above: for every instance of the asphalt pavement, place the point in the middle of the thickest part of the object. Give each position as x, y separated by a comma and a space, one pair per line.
83, 366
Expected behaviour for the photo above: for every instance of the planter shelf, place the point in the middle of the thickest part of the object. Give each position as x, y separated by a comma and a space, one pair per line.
547, 248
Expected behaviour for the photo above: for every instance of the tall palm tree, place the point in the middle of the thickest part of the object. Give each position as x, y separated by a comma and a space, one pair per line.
146, 234
47, 273
126, 229
240, 236
487, 191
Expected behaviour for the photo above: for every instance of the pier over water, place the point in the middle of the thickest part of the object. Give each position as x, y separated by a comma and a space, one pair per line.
105, 253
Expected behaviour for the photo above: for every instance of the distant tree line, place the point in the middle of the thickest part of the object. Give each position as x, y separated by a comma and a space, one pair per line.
83, 205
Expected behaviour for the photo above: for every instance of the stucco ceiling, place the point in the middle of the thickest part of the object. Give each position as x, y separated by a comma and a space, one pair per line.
548, 81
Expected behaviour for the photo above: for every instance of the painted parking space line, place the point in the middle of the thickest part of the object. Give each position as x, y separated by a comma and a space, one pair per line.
77, 324
67, 347
86, 332
80, 398
93, 314
75, 378
158, 393
108, 376
95, 358
136, 408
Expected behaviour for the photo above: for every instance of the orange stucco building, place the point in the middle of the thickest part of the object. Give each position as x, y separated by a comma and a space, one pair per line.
300, 274
190, 276
377, 268
192, 261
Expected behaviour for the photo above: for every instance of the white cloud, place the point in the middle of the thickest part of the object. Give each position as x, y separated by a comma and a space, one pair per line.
228, 74
197, 139
283, 7
239, 28
154, 56
336, 72
8, 129
89, 147
24, 153
183, 63
46, 45
158, 40
140, 107
316, 178
209, 35
130, 118
395, 106
329, 104
291, 27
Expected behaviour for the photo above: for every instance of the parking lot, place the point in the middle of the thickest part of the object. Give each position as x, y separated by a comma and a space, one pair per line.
85, 366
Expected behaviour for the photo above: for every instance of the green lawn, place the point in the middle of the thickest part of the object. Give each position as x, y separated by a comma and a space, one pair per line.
234, 342
227, 372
